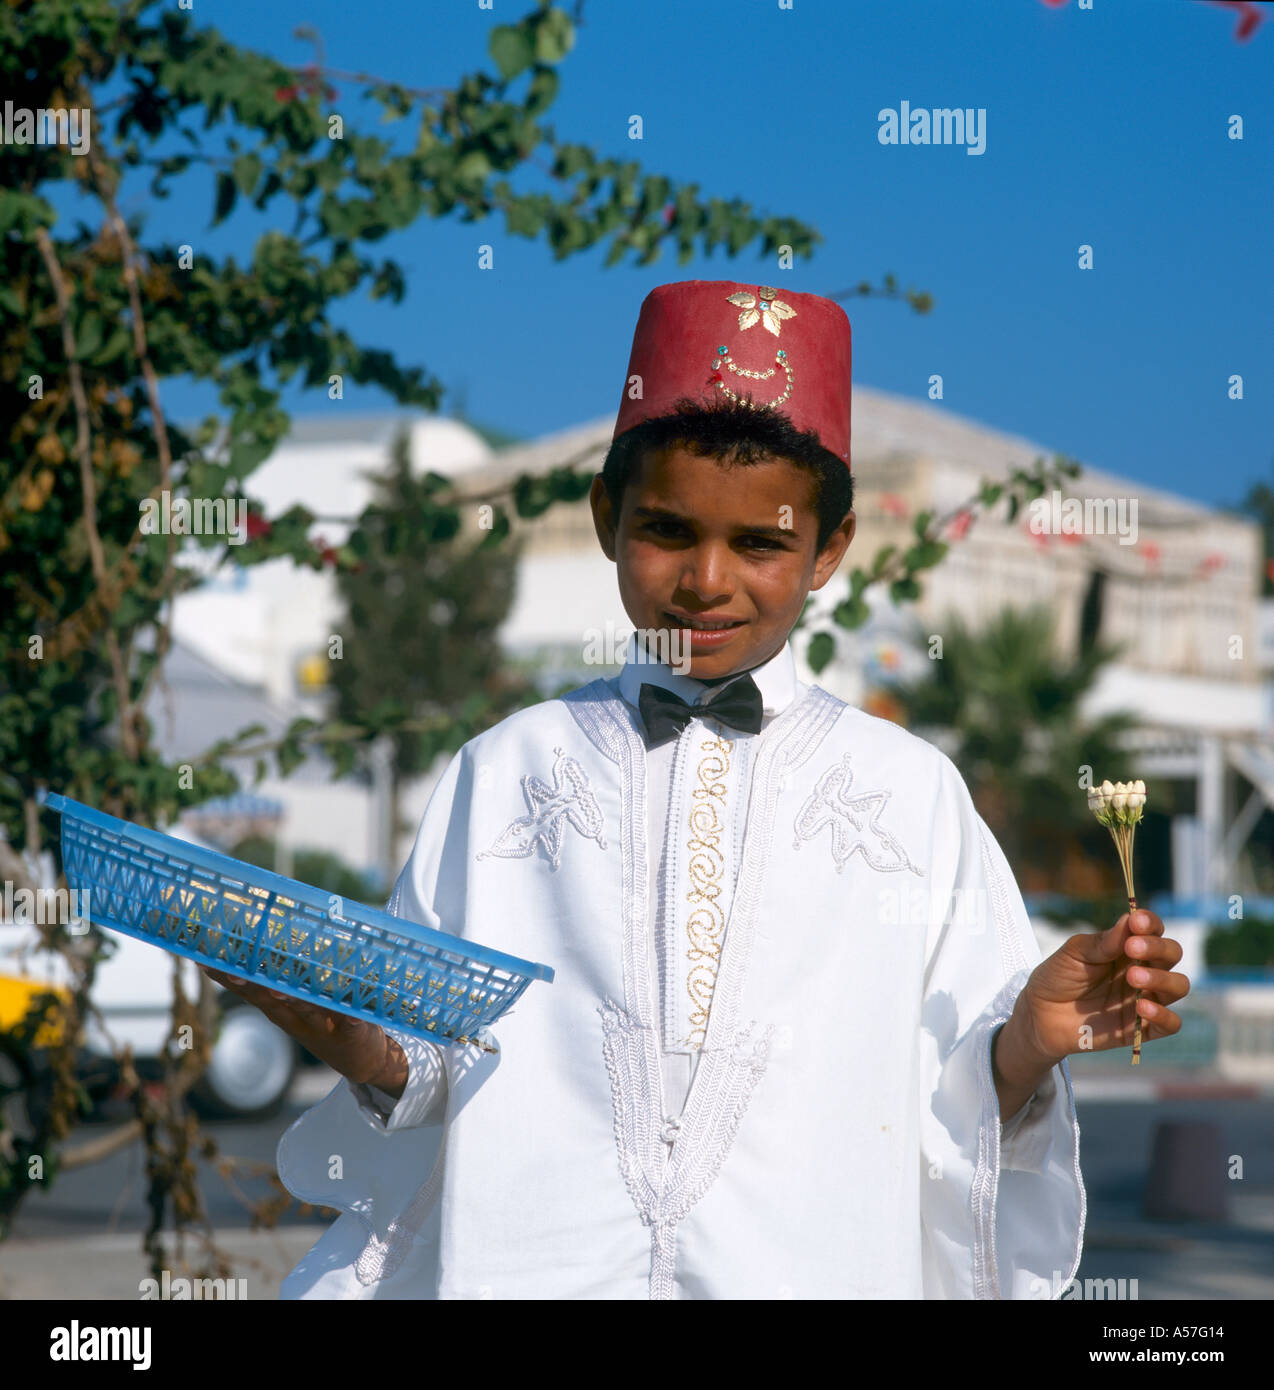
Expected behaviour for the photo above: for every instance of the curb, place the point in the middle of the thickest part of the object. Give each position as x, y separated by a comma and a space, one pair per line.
1168, 1087
112, 1266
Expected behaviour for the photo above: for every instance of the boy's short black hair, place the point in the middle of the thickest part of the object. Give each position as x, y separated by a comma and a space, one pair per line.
738, 434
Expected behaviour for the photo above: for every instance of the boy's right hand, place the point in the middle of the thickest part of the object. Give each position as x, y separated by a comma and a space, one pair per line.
360, 1050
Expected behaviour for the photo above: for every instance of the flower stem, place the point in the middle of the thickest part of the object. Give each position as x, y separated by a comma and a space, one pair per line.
1122, 835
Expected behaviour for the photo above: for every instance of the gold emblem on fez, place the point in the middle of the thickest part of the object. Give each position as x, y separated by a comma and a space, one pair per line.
761, 308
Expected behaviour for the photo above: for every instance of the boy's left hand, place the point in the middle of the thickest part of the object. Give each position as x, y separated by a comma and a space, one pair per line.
1091, 982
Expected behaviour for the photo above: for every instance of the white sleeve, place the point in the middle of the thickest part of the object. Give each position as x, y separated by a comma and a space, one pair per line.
429, 891
433, 891
424, 1096
1025, 1139
375, 1166
1002, 1208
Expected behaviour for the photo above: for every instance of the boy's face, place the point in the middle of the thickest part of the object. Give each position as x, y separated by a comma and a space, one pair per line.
697, 542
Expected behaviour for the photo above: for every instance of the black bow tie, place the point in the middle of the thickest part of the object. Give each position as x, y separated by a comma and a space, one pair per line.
664, 714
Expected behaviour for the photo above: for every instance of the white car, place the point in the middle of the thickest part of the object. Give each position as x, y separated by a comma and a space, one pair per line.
253, 1062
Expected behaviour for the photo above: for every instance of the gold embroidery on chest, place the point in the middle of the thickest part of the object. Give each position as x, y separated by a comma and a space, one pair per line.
706, 865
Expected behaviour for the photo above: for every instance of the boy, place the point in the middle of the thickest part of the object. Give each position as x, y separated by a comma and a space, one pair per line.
761, 1071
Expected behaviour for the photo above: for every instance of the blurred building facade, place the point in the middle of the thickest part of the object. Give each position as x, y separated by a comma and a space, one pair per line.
251, 645
1176, 583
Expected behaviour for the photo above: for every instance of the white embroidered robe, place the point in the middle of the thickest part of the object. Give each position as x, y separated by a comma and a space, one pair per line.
763, 1068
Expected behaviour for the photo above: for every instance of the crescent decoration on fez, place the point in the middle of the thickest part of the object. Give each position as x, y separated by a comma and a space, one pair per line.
769, 312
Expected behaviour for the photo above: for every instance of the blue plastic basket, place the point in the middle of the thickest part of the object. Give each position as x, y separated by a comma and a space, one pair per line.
272, 930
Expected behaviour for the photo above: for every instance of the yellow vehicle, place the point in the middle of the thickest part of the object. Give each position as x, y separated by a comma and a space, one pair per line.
24, 1082
17, 995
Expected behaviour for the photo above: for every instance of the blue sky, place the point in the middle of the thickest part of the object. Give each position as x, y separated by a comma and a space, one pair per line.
1105, 126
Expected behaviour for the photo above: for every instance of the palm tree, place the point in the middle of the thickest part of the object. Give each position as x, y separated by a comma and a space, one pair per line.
1007, 709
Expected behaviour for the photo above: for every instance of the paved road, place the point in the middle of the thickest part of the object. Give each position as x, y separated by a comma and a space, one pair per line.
108, 1197
1233, 1259
80, 1239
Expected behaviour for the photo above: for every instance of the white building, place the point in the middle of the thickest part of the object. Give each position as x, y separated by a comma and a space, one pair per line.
246, 641
1176, 581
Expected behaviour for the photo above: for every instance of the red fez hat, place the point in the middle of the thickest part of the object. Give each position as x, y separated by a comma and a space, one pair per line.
773, 349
